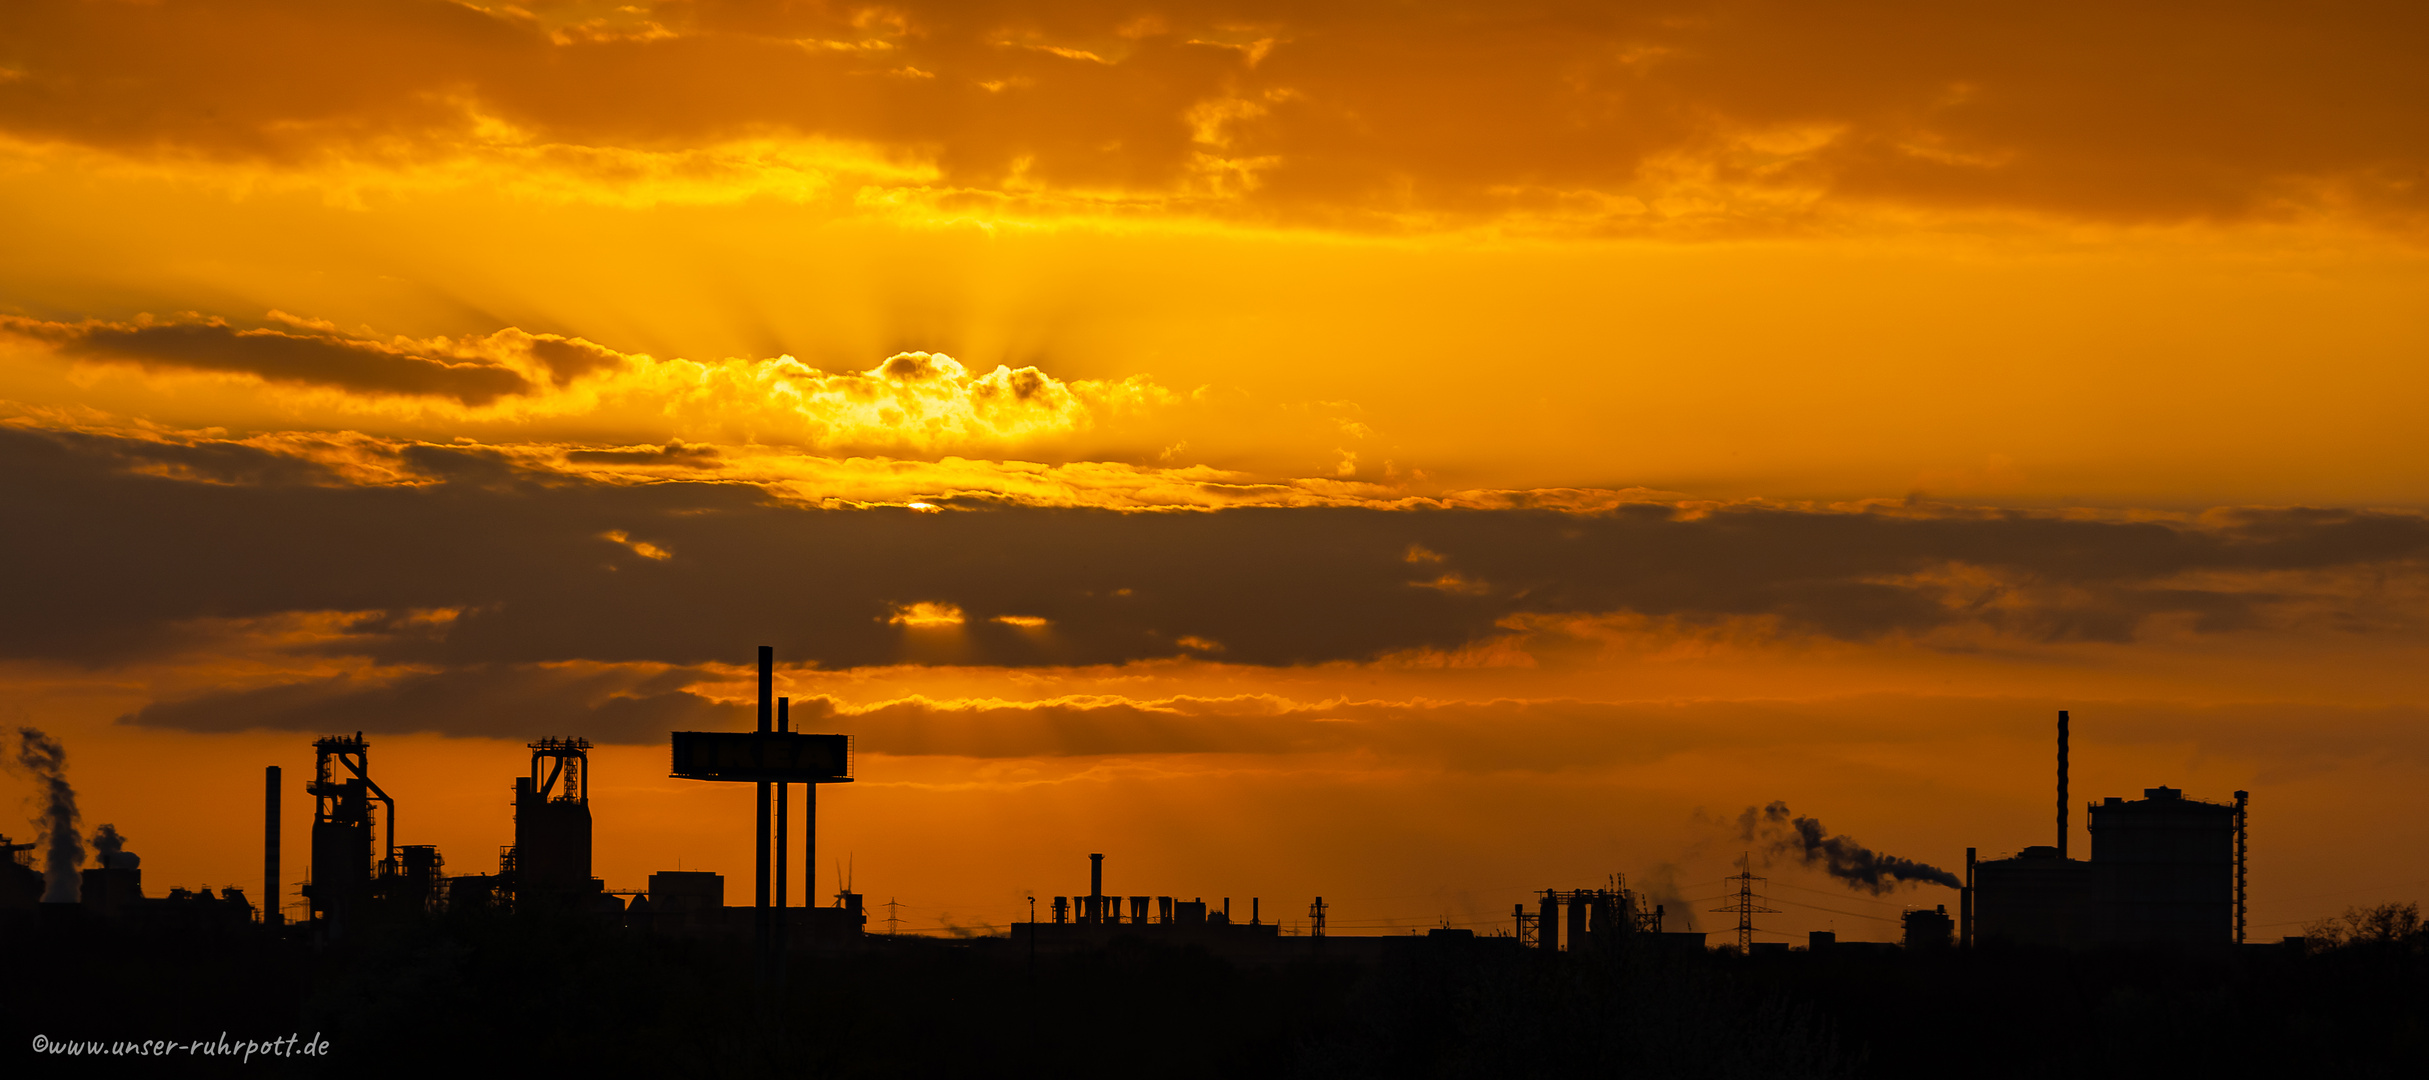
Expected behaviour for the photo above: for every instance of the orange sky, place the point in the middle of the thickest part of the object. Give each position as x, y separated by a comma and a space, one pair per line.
1424, 455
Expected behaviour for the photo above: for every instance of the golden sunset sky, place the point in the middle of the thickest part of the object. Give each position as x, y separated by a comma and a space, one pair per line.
1416, 454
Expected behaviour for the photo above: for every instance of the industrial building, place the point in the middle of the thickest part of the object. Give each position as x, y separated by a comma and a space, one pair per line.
1601, 918
1595, 919
1098, 917
2164, 870
111, 894
546, 869
359, 872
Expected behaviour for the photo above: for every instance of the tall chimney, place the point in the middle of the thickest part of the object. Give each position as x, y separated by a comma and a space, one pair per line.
2243, 804
270, 914
767, 684
1096, 888
2062, 783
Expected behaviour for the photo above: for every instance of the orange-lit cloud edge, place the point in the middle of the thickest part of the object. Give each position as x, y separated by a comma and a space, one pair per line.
1579, 119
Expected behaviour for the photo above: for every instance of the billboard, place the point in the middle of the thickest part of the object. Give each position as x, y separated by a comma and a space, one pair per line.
778, 756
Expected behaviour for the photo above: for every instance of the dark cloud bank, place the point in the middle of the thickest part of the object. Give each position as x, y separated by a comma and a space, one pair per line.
308, 357
116, 562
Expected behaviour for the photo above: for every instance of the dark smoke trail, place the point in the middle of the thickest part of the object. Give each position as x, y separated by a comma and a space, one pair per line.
1839, 856
109, 848
62, 846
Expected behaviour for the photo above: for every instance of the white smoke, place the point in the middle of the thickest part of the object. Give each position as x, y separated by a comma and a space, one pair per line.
56, 817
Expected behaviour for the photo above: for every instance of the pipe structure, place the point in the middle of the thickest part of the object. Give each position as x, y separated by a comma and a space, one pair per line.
767, 693
2062, 783
783, 918
809, 845
1577, 922
2243, 805
1547, 922
784, 723
270, 914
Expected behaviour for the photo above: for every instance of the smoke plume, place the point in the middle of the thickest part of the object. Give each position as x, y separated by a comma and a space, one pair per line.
1659, 886
62, 846
1839, 856
109, 849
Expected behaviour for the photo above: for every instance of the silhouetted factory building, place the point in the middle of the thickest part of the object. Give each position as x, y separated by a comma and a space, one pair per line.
1099, 909
2164, 870
547, 868
111, 894
1597, 918
1933, 929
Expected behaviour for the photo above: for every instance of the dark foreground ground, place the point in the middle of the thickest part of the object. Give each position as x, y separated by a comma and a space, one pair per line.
492, 995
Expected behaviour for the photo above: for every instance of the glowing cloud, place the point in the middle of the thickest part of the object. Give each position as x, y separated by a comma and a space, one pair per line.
639, 547
926, 616
919, 402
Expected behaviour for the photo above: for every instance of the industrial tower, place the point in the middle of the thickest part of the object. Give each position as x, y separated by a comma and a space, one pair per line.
341, 832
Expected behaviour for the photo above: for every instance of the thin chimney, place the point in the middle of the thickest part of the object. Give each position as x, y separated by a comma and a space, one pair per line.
2062, 783
1965, 904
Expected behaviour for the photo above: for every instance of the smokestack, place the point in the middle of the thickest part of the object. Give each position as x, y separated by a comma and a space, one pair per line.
1547, 922
62, 845
1096, 888
270, 915
767, 684
2062, 783
2243, 804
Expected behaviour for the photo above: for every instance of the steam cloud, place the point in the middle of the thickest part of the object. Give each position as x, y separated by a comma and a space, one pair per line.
62, 846
1839, 856
1659, 887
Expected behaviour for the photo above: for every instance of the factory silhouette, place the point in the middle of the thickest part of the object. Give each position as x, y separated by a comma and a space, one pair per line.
2162, 891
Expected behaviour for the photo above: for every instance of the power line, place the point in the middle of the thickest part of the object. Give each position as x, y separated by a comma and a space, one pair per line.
1835, 911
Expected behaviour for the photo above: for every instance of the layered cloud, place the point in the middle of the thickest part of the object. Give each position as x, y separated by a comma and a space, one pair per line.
140, 540
1575, 115
638, 705
915, 401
